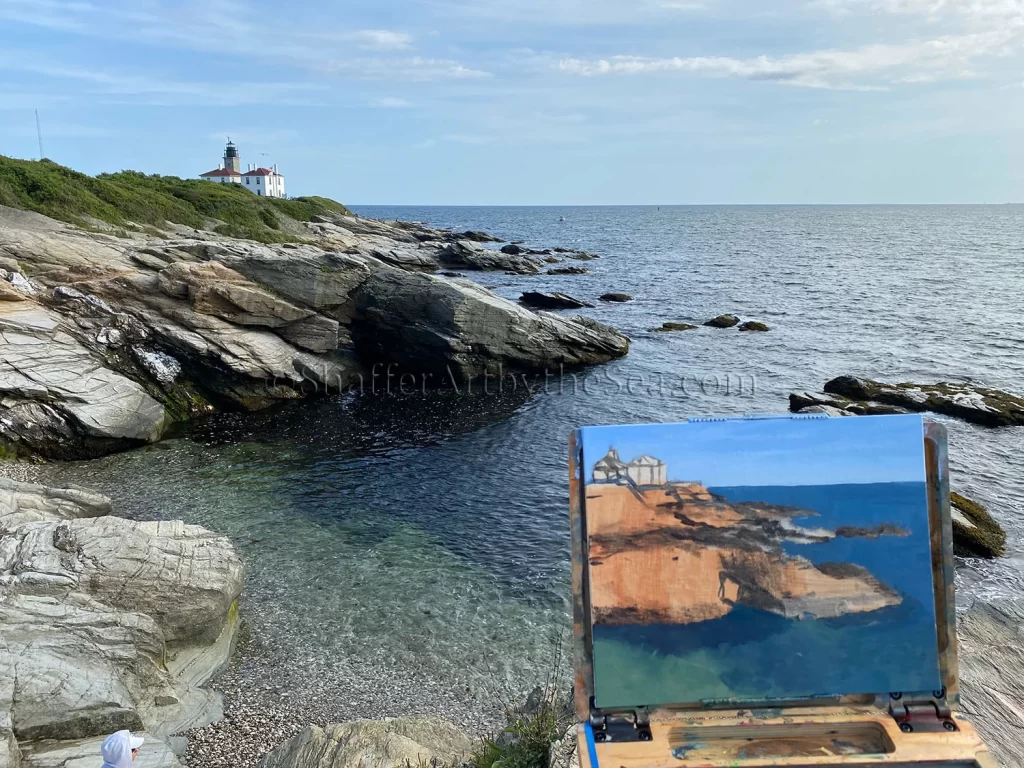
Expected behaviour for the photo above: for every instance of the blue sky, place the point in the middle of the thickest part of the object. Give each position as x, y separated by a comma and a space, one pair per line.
533, 101
865, 449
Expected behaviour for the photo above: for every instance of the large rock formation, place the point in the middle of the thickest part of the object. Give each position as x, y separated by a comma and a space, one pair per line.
979, 405
108, 623
108, 340
440, 327
398, 743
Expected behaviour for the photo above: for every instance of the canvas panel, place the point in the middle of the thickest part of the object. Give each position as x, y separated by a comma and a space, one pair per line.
758, 560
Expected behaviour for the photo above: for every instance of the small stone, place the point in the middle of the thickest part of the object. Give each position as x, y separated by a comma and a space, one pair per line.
616, 297
723, 321
753, 325
110, 337
670, 326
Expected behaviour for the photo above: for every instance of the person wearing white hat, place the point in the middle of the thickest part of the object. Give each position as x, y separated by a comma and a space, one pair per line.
119, 749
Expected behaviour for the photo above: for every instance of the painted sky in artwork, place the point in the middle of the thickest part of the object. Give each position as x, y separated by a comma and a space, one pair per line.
783, 451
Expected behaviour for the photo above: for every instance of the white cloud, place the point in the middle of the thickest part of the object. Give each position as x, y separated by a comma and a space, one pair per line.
384, 40
229, 27
415, 69
867, 67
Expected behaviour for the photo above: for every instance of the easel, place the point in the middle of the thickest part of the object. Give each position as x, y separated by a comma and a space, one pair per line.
885, 729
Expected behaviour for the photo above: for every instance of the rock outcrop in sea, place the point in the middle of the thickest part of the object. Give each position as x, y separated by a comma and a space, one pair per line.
723, 321
107, 624
978, 405
552, 300
108, 340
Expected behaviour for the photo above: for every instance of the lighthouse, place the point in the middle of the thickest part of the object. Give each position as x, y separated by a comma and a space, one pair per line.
265, 182
231, 159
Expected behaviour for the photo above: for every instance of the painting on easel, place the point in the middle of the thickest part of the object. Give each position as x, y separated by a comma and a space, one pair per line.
759, 560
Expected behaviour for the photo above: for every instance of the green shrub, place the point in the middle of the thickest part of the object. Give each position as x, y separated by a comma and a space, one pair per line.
129, 196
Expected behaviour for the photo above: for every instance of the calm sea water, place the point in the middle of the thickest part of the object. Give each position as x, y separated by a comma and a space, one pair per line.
429, 538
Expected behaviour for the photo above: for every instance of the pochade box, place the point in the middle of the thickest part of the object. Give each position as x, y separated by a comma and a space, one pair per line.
765, 592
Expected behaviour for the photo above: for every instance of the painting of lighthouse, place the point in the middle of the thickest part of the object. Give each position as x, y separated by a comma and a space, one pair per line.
766, 559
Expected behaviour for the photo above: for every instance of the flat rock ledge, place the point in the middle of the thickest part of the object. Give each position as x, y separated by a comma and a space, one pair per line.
978, 405
108, 341
392, 743
107, 624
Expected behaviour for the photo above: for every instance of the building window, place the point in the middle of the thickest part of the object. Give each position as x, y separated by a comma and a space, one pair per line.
246, 179
259, 192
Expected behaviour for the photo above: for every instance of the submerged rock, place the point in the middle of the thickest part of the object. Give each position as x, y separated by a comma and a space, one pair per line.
723, 321
975, 531
568, 271
392, 743
552, 300
753, 325
979, 405
620, 297
669, 327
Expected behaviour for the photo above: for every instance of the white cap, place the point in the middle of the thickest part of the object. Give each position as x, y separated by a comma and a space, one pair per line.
136, 741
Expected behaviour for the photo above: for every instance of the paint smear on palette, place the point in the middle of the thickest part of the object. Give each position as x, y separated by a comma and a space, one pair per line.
759, 559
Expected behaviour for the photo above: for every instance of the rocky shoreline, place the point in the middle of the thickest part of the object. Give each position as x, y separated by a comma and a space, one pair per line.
111, 340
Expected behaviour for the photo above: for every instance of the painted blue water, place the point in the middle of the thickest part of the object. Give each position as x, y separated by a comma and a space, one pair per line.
900, 562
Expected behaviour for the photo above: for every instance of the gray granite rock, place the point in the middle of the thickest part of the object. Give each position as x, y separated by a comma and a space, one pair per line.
429, 325
395, 743
107, 623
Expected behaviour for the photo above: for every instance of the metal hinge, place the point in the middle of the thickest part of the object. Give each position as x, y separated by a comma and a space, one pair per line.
922, 714
634, 725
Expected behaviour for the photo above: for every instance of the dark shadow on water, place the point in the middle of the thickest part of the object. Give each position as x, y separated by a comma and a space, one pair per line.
346, 426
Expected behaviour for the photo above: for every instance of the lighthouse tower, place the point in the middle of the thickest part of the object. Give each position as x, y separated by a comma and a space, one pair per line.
231, 159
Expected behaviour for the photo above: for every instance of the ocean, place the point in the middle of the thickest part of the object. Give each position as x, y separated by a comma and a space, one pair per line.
429, 537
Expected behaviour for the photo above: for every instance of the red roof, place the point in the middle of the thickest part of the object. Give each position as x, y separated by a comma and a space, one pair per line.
259, 172
221, 172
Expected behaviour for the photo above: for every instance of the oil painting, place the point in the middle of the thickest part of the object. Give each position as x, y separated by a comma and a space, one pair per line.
759, 560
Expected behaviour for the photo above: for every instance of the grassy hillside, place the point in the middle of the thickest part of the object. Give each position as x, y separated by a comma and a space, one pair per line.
130, 197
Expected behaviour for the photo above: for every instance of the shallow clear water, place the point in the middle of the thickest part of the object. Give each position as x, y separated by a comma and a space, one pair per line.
429, 537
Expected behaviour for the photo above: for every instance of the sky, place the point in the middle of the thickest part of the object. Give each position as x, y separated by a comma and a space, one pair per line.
533, 102
779, 451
